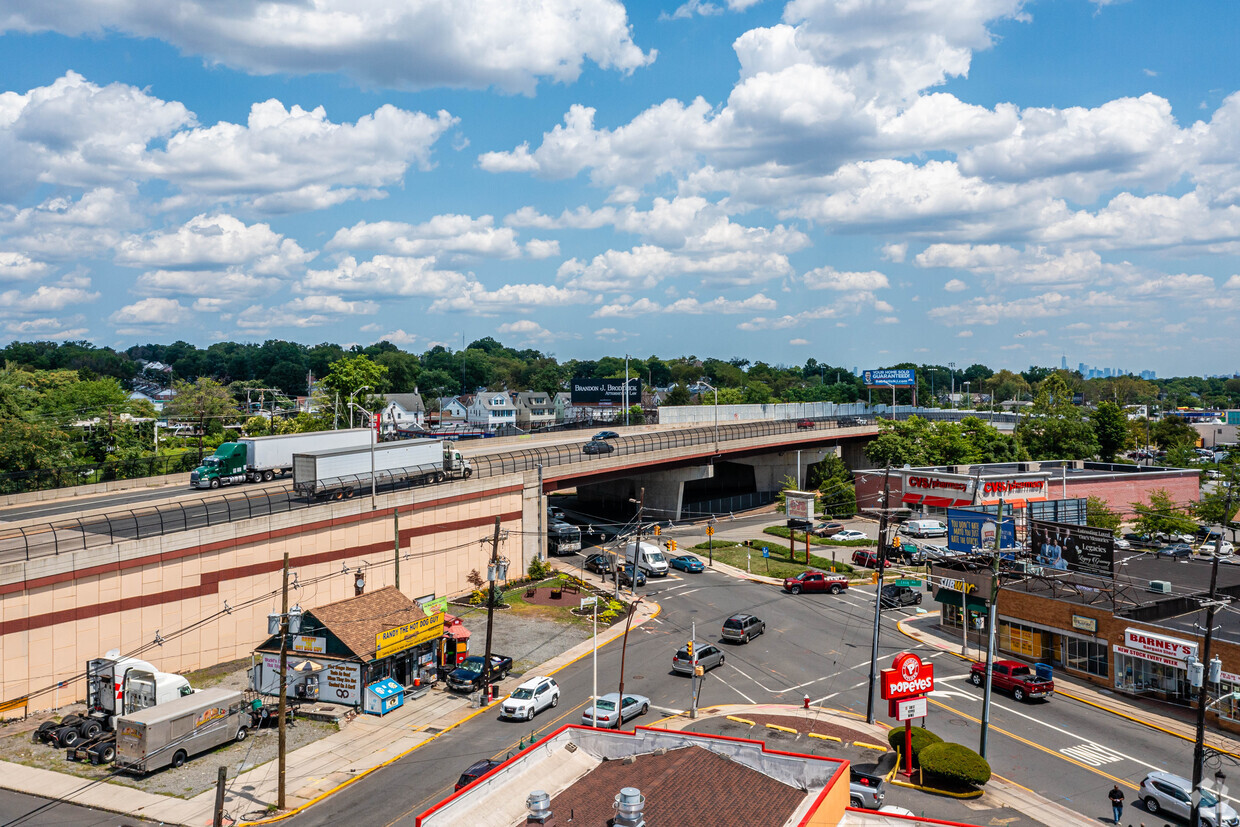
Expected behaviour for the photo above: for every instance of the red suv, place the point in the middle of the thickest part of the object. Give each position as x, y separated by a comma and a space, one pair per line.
868, 558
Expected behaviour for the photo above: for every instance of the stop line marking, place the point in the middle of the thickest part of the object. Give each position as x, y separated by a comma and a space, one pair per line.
1093, 754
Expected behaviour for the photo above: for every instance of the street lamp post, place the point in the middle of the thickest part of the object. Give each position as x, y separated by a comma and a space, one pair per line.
968, 392
373, 439
359, 390
952, 401
716, 390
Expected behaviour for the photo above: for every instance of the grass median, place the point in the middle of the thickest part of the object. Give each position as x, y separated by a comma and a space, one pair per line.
777, 565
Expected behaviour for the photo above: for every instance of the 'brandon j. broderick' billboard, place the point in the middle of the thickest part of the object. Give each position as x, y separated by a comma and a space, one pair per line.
605, 392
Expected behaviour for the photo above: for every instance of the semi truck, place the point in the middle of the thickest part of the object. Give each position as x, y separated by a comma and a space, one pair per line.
340, 474
262, 457
172, 733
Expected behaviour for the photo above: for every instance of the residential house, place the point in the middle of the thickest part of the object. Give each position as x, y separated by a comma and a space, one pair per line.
534, 410
402, 412
493, 410
453, 410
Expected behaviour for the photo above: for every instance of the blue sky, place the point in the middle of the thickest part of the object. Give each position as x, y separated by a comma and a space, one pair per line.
861, 181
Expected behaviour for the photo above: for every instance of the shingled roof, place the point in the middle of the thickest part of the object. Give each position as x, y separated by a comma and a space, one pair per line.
357, 620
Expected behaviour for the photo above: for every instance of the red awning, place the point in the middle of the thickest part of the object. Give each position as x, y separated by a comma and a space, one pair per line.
456, 632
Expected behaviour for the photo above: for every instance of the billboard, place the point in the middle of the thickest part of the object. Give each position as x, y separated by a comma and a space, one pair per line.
800, 505
1059, 511
896, 377
969, 530
605, 392
1072, 547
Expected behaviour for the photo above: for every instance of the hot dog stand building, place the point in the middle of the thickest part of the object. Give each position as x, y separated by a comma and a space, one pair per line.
346, 646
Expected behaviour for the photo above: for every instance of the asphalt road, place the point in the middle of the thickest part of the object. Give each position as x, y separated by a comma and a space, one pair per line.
19, 810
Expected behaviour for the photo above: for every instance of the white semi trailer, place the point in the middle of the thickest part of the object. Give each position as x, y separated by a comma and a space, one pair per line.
341, 474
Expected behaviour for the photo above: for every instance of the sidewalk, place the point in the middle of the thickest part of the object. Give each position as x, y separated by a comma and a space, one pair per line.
1172, 721
313, 772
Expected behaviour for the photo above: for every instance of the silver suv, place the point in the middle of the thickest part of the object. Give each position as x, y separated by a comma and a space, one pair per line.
742, 628
1163, 792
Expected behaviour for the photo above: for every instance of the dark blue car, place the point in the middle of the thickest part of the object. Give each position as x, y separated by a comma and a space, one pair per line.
686, 562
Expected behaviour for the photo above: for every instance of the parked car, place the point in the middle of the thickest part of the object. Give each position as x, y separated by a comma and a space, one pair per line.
826, 529
626, 576
849, 534
1140, 540
805, 423
468, 676
705, 656
1015, 677
1122, 544
896, 596
530, 698
598, 563
606, 435
1165, 537
597, 446
925, 528
475, 771
909, 552
815, 581
1176, 550
1225, 548
868, 558
612, 712
1163, 792
866, 790
742, 628
686, 562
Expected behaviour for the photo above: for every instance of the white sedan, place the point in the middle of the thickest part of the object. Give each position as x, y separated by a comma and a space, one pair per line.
849, 534
530, 698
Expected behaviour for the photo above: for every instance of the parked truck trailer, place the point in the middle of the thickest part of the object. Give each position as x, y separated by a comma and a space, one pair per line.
340, 474
263, 457
170, 734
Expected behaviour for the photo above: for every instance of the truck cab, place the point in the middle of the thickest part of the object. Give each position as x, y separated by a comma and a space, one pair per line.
455, 465
225, 467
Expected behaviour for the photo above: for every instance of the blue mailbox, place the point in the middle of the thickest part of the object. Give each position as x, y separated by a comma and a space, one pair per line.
383, 696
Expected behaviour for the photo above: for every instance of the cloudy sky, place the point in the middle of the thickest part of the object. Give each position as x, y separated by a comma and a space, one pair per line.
861, 181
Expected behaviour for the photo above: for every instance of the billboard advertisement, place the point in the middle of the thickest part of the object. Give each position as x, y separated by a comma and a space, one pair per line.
969, 530
605, 392
896, 377
1072, 547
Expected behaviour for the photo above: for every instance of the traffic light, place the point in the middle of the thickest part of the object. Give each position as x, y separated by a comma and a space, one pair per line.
657, 529
689, 649
673, 545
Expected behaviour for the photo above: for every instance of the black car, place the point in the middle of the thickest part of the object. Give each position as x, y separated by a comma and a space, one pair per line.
606, 435
597, 446
1176, 550
626, 576
476, 770
598, 563
896, 596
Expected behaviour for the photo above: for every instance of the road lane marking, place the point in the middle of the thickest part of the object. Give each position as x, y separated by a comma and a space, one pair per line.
1092, 754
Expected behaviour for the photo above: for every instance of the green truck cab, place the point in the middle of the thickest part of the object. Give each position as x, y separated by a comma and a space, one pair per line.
224, 467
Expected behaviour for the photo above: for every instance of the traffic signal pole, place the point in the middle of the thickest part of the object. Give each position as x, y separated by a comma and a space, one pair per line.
878, 595
991, 621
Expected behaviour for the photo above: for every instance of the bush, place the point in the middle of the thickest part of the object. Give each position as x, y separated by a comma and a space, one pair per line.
478, 597
539, 569
784, 531
954, 763
922, 738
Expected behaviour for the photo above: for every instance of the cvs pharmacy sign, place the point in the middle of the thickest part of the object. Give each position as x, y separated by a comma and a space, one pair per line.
907, 677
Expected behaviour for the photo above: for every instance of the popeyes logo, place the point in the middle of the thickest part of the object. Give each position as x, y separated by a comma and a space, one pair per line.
935, 483
1012, 487
907, 677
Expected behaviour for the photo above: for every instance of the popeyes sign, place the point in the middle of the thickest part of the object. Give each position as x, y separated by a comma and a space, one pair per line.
907, 677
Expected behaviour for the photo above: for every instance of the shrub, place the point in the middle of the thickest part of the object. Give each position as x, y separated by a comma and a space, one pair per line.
954, 762
478, 597
922, 738
539, 569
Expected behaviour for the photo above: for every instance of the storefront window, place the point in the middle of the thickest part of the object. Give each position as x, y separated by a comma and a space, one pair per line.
1228, 707
1083, 655
1133, 674
1024, 641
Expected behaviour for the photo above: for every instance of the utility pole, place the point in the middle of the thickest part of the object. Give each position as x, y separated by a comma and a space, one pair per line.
396, 543
283, 706
878, 595
637, 549
1199, 744
693, 684
217, 817
990, 632
492, 575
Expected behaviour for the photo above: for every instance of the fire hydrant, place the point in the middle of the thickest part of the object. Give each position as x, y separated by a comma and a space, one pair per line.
807, 701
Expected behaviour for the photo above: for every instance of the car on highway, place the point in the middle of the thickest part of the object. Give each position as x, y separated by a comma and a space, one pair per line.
612, 712
475, 771
705, 656
896, 596
1162, 792
597, 446
599, 563
530, 698
742, 628
805, 423
606, 435
686, 562
1176, 551
626, 576
827, 529
1014, 677
815, 581
868, 559
849, 534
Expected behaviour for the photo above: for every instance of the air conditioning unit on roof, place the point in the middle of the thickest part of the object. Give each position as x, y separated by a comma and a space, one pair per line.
1160, 586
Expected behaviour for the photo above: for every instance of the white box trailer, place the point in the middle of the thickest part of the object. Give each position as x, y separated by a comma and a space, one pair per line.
170, 734
269, 455
341, 474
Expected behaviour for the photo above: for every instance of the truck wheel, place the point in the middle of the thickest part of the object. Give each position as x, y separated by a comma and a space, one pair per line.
42, 733
855, 803
241, 733
1018, 694
348, 493
836, 589
269, 475
795, 589
107, 755
68, 737
90, 729
975, 679
215, 483
468, 473
179, 759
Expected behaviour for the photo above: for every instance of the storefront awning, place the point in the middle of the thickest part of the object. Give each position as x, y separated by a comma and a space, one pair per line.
952, 598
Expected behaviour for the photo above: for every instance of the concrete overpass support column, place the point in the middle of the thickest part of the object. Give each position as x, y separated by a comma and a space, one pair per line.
533, 509
665, 491
853, 454
769, 471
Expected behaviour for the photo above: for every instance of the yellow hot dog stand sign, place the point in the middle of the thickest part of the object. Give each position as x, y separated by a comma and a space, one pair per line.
400, 638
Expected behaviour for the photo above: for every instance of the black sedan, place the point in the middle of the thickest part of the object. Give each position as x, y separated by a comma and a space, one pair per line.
597, 446
598, 563
606, 435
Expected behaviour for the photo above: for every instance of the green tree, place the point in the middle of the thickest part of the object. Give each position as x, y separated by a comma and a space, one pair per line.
832, 479
1173, 432
350, 374
636, 415
1213, 507
678, 395
205, 402
1162, 516
757, 393
1110, 425
1054, 428
1099, 514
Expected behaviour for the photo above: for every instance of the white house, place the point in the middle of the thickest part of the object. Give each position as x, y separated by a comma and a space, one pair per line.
402, 412
534, 410
491, 411
452, 411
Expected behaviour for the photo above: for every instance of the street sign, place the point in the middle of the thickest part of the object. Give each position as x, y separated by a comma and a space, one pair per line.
908, 709
766, 551
710, 531
588, 601
910, 583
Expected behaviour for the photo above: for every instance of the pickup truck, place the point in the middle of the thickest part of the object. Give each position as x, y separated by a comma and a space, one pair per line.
468, 676
1012, 676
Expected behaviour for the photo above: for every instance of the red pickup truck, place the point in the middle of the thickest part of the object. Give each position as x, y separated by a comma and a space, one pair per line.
1012, 676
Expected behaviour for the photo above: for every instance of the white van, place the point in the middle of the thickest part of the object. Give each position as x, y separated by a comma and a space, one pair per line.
925, 528
649, 558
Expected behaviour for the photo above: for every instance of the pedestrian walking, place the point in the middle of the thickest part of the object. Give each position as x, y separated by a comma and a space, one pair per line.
1117, 802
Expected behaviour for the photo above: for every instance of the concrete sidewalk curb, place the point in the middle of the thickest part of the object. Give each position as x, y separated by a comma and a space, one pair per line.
1082, 694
